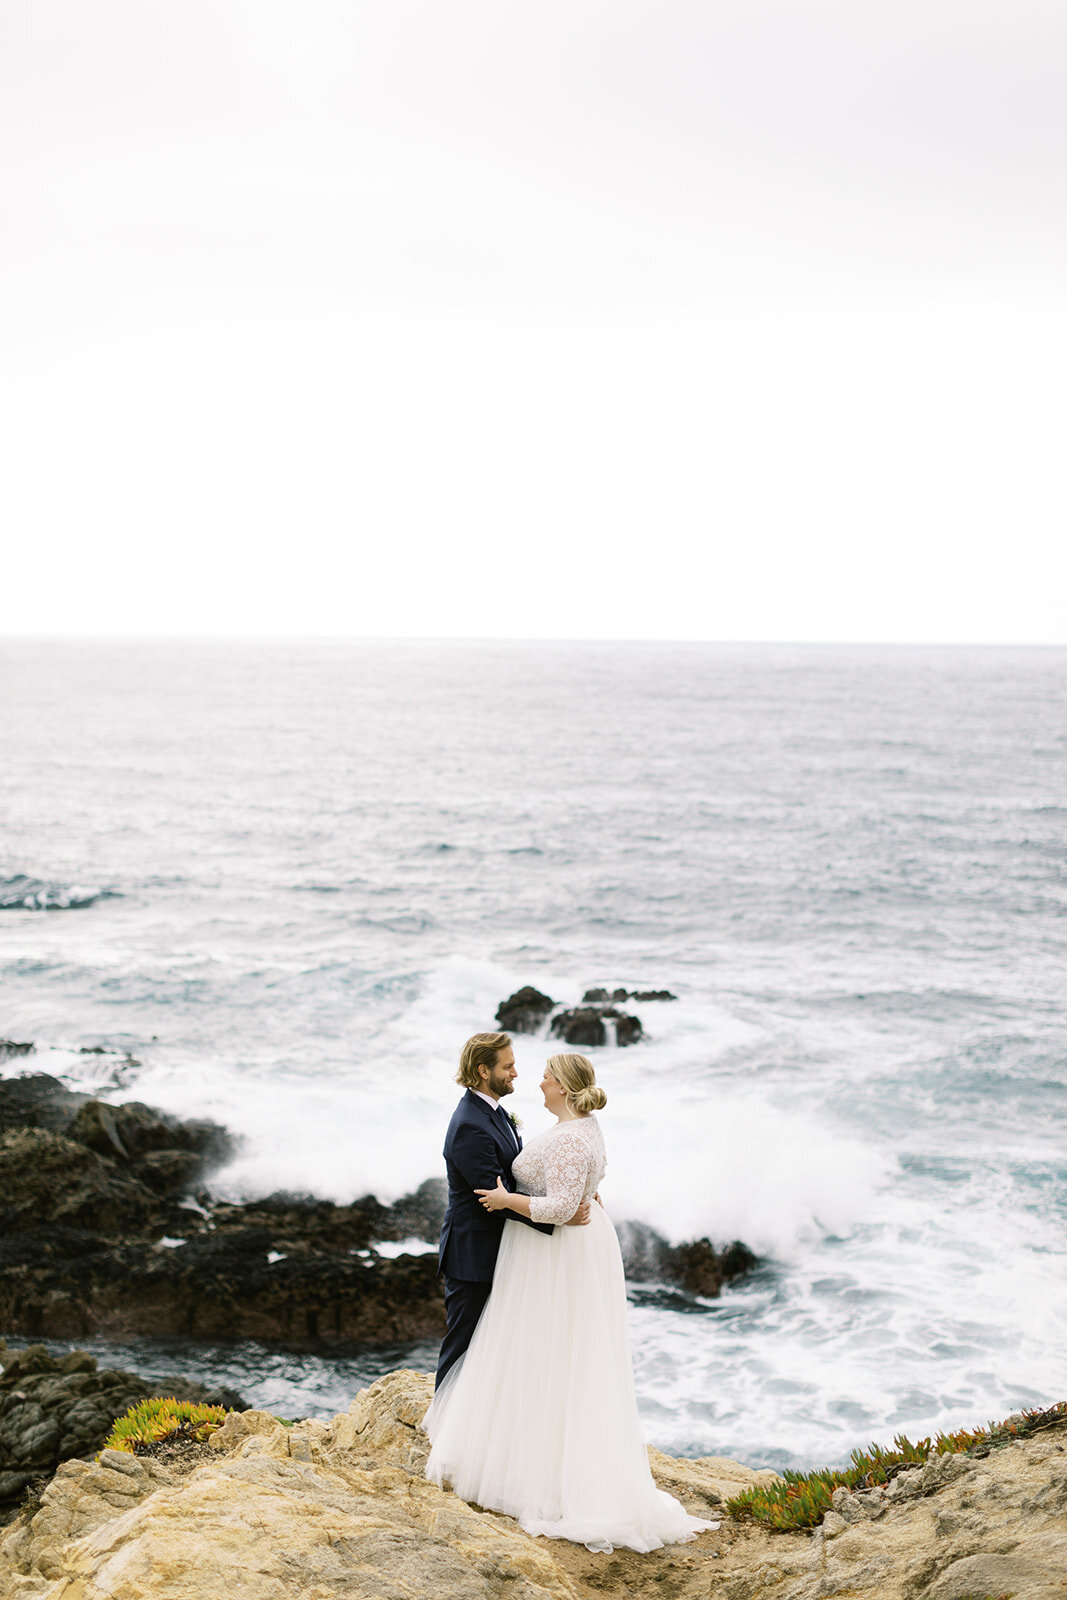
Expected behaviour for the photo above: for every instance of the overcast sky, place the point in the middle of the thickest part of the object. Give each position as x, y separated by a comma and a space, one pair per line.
742, 319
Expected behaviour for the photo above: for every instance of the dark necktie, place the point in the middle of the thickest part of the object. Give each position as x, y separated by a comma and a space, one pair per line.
506, 1120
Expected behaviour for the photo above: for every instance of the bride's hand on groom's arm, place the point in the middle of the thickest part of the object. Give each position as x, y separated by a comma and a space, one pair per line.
499, 1199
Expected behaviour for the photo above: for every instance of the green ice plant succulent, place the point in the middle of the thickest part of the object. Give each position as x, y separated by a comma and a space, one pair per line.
155, 1422
802, 1499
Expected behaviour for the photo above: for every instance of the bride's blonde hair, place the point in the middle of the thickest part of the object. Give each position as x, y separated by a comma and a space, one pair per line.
576, 1078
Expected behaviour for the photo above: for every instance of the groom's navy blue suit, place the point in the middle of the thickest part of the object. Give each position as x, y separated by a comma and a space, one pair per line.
479, 1148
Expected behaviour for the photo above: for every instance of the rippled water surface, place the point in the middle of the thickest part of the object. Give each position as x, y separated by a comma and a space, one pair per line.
291, 878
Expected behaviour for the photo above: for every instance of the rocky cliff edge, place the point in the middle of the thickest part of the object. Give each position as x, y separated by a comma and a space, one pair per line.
325, 1510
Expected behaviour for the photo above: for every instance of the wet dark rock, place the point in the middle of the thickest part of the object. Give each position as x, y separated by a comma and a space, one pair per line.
524, 1011
94, 1241
737, 1259
122, 1132
168, 1172
45, 1178
36, 1100
421, 1214
584, 1026
602, 997
9, 1047
55, 1408
695, 1266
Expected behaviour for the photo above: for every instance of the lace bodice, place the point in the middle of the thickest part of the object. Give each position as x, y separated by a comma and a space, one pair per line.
560, 1168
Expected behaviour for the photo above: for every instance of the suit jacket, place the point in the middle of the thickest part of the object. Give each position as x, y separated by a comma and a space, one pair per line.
477, 1151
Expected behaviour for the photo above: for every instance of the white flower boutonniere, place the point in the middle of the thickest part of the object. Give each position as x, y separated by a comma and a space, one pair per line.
516, 1122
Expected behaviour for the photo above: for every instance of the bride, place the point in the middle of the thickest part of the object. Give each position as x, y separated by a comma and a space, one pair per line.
539, 1419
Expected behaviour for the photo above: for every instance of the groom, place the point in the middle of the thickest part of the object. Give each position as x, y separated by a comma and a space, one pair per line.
480, 1145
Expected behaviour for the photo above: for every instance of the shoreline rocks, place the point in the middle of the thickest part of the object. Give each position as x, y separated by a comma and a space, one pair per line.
52, 1410
340, 1509
104, 1232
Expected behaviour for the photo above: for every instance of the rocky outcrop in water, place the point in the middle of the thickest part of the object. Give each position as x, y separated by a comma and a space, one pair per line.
339, 1510
602, 997
54, 1409
697, 1267
588, 1027
524, 1011
595, 1023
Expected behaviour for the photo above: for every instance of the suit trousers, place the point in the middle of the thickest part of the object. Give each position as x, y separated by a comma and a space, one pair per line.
464, 1303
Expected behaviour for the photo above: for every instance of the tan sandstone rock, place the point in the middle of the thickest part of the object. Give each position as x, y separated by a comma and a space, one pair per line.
340, 1510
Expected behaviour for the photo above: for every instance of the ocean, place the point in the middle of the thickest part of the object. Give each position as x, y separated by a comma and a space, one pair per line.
289, 878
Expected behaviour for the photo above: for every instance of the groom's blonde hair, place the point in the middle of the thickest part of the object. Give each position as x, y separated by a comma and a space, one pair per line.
480, 1050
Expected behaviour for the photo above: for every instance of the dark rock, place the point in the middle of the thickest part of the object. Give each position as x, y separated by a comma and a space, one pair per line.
36, 1100
737, 1259
45, 1179
421, 1214
696, 1266
8, 1047
169, 1171
642, 1251
601, 996
584, 1026
12, 1484
137, 1130
524, 1011
52, 1410
627, 1028
82, 1225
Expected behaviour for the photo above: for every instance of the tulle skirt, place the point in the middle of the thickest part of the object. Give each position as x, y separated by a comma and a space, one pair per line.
539, 1419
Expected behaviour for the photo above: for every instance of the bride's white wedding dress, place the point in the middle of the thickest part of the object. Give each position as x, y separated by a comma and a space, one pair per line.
538, 1419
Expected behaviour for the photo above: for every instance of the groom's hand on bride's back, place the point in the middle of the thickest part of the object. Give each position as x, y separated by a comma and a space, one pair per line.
580, 1218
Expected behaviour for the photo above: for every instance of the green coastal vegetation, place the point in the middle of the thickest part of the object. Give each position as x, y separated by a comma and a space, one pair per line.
799, 1500
802, 1499
163, 1421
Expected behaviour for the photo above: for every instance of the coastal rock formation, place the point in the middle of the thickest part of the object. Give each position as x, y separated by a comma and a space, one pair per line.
602, 997
99, 1234
697, 1267
103, 1233
339, 1510
587, 1026
52, 1410
149, 1143
524, 1011
596, 1022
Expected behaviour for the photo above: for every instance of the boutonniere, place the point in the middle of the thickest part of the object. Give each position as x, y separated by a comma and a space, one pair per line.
516, 1122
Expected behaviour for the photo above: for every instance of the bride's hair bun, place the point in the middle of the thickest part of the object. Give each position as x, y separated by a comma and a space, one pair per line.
576, 1077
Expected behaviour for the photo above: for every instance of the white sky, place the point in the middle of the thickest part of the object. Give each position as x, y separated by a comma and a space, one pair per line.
742, 319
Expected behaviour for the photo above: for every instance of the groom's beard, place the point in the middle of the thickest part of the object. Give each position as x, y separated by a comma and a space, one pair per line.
500, 1086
